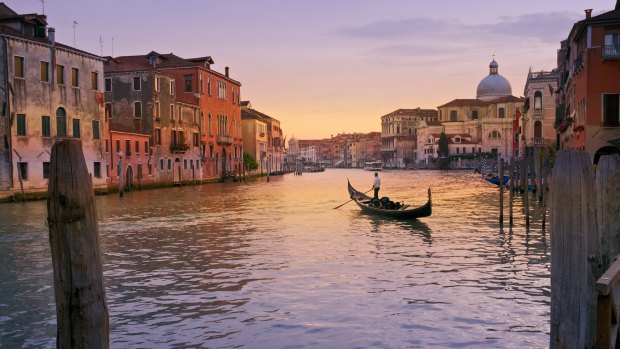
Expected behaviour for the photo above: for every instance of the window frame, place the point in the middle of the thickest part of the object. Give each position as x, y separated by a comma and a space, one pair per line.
136, 81
22, 170
605, 121
45, 71
96, 134
19, 67
108, 85
75, 77
76, 131
94, 80
46, 126
137, 109
20, 125
60, 74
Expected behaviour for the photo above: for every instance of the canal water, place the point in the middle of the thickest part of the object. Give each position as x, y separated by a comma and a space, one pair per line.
272, 265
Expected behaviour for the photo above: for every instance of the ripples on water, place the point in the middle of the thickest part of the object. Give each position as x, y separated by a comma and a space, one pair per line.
272, 265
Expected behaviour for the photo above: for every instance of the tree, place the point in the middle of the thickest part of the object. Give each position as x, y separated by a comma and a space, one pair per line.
444, 148
249, 161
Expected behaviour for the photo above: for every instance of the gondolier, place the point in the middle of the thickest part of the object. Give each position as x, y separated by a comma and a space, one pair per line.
376, 185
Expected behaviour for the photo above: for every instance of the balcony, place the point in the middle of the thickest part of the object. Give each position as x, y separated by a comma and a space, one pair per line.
578, 63
609, 52
538, 111
537, 140
179, 147
226, 140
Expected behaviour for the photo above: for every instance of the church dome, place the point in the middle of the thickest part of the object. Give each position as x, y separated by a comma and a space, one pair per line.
493, 85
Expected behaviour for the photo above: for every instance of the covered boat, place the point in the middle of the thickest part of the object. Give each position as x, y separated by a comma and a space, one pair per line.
388, 208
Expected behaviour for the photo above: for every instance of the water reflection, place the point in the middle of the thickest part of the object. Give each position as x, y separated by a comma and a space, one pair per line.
272, 265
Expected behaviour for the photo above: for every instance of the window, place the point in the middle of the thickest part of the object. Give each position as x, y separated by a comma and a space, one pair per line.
611, 110
171, 111
172, 87
537, 100
60, 74
95, 129
210, 125
161, 164
137, 148
21, 124
22, 170
453, 115
169, 164
157, 136
45, 126
127, 147
202, 84
140, 171
474, 114
538, 129
61, 122
108, 85
233, 95
94, 80
75, 77
185, 164
495, 135
188, 83
18, 66
146, 147
106, 145
195, 139
76, 128
46, 170
137, 109
108, 111
97, 169
118, 146
209, 86
156, 110
157, 84
45, 71
136, 83
501, 113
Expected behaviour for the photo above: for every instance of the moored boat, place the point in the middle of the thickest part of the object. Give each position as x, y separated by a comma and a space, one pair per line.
389, 208
373, 166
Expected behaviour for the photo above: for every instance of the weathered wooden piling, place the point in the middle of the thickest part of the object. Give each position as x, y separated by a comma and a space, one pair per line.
574, 252
500, 170
525, 182
608, 206
511, 190
81, 309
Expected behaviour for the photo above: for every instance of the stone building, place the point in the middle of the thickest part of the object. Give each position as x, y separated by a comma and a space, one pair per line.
398, 138
141, 99
49, 91
274, 155
488, 118
536, 125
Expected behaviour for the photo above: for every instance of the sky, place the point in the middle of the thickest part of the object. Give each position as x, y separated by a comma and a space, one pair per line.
324, 67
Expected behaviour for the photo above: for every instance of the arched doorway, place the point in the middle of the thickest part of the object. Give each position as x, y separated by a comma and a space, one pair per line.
223, 162
129, 178
176, 173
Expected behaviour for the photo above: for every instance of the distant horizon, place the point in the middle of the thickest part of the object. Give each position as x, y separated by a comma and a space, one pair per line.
323, 67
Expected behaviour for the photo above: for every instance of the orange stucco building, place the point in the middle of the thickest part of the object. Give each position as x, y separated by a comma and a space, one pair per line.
588, 105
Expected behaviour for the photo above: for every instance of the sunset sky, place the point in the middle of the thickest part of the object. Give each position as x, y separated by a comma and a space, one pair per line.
324, 67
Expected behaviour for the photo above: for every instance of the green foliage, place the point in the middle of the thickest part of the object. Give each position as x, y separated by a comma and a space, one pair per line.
444, 148
249, 161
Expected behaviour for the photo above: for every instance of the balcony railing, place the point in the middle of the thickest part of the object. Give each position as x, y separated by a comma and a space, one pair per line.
179, 147
610, 52
537, 140
226, 140
538, 111
578, 63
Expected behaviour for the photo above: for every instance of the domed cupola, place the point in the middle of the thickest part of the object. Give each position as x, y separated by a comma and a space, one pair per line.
493, 86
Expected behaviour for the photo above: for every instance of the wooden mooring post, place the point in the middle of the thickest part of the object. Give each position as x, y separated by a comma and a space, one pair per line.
81, 309
512, 190
500, 176
525, 175
575, 252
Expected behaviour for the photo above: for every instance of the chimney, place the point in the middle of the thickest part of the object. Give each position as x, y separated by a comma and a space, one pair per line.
226, 71
51, 35
588, 13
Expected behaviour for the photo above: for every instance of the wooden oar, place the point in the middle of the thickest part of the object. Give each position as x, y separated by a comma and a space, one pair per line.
339, 206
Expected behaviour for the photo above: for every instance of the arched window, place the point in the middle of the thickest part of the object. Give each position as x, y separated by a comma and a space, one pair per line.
495, 135
538, 100
61, 122
538, 129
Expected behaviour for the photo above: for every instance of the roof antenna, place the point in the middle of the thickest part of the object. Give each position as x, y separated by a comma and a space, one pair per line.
112, 46
75, 23
43, 5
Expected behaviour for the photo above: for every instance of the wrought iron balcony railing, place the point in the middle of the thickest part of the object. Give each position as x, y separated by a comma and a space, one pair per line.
610, 52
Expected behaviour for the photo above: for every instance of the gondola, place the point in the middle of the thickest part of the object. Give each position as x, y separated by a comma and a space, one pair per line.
387, 208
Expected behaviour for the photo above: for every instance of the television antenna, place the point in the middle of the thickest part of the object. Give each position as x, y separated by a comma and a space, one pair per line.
75, 23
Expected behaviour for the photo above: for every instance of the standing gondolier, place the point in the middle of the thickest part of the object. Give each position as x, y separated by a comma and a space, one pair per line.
376, 185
